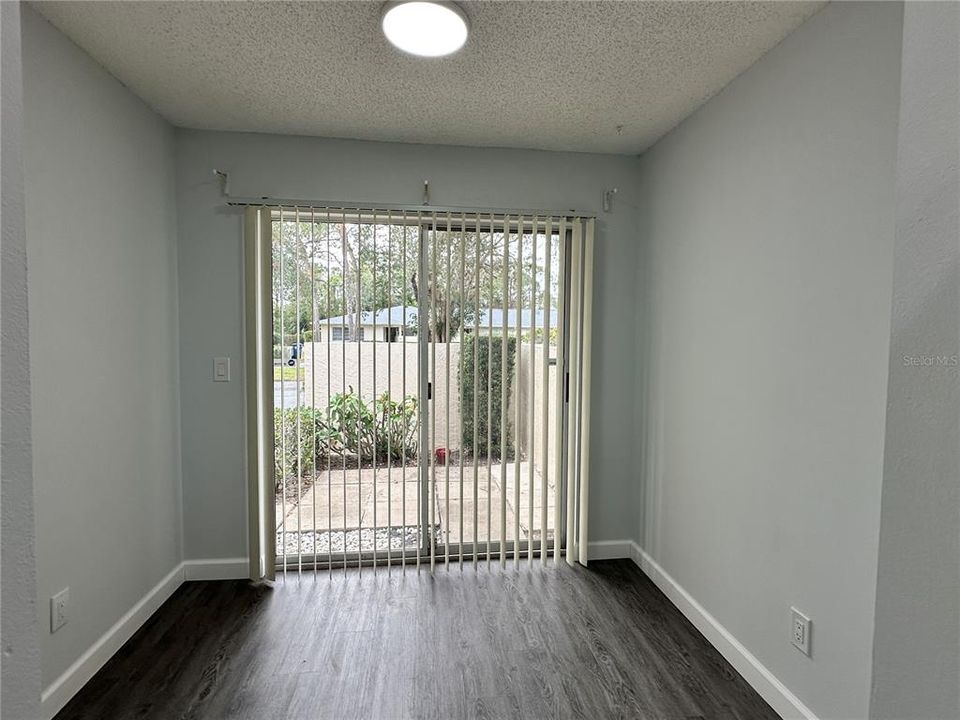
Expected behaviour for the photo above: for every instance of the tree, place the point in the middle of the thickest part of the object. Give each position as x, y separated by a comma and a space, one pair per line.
333, 267
466, 271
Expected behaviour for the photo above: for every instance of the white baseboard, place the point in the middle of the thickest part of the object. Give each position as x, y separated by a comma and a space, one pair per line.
610, 549
216, 569
744, 662
59, 692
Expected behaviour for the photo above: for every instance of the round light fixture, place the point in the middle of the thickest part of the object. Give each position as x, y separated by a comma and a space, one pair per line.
428, 29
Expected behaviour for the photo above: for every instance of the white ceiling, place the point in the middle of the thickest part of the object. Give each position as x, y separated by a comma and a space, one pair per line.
606, 77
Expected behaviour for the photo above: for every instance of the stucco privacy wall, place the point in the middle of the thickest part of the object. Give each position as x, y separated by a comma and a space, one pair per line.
916, 666
211, 290
20, 666
103, 338
766, 226
367, 367
376, 368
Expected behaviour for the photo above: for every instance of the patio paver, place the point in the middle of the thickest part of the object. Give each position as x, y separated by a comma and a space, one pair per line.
387, 501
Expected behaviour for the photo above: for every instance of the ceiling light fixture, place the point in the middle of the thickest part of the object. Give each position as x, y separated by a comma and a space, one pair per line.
426, 28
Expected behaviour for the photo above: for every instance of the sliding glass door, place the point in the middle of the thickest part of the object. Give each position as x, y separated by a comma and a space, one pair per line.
420, 375
493, 338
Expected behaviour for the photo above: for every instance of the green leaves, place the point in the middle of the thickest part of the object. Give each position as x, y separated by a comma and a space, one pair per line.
385, 429
489, 356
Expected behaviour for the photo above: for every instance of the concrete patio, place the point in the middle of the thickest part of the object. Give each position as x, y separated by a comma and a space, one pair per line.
352, 502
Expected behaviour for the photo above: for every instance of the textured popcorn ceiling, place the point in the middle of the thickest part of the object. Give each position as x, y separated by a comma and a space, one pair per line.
589, 76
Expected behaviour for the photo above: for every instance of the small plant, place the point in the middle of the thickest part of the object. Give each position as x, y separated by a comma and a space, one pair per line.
537, 336
385, 429
300, 437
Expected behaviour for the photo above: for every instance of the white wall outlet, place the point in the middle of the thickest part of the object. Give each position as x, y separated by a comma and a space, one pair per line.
800, 631
58, 609
221, 369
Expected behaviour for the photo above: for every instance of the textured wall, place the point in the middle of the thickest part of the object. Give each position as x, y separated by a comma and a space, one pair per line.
767, 229
20, 676
917, 639
102, 271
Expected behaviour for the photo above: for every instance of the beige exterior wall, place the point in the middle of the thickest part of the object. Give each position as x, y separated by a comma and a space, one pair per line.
530, 373
366, 362
369, 366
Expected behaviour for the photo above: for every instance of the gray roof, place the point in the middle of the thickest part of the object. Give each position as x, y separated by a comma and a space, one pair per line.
495, 317
387, 316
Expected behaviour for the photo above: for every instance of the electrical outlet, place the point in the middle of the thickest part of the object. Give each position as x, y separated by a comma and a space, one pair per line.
800, 631
58, 609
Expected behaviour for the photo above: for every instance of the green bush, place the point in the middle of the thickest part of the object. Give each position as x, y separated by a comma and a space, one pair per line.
489, 352
297, 445
383, 429
537, 335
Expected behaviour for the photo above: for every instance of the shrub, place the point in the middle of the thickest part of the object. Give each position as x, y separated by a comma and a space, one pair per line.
383, 429
537, 334
489, 351
297, 445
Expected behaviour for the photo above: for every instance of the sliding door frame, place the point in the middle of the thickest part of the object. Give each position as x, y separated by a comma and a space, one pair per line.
574, 235
258, 332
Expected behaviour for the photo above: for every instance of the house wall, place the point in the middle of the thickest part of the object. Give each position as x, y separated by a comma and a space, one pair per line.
98, 168
211, 289
766, 226
916, 655
323, 333
370, 368
20, 667
530, 375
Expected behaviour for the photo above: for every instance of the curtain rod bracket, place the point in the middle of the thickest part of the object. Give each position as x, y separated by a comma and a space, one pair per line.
224, 182
608, 199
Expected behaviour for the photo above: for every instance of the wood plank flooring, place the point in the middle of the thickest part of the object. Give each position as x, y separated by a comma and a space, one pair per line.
535, 642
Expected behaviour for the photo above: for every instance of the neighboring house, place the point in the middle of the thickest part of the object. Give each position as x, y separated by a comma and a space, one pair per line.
388, 325
494, 320
398, 323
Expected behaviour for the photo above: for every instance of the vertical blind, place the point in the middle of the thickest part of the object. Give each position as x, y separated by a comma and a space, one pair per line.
417, 387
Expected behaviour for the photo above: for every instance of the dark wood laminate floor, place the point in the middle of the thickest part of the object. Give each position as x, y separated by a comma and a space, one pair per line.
554, 642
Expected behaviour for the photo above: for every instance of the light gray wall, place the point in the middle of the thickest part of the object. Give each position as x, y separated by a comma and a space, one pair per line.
766, 221
211, 292
916, 656
103, 340
20, 674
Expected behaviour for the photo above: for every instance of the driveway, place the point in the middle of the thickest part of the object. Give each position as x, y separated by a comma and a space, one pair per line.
288, 391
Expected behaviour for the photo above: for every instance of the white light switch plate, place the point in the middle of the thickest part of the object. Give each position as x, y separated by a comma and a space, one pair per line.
221, 369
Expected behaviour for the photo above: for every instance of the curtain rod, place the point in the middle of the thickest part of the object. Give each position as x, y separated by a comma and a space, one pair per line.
427, 209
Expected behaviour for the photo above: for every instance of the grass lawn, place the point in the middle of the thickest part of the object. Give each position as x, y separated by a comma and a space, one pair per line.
285, 372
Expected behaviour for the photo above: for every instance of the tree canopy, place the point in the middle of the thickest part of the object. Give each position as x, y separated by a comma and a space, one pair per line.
324, 269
